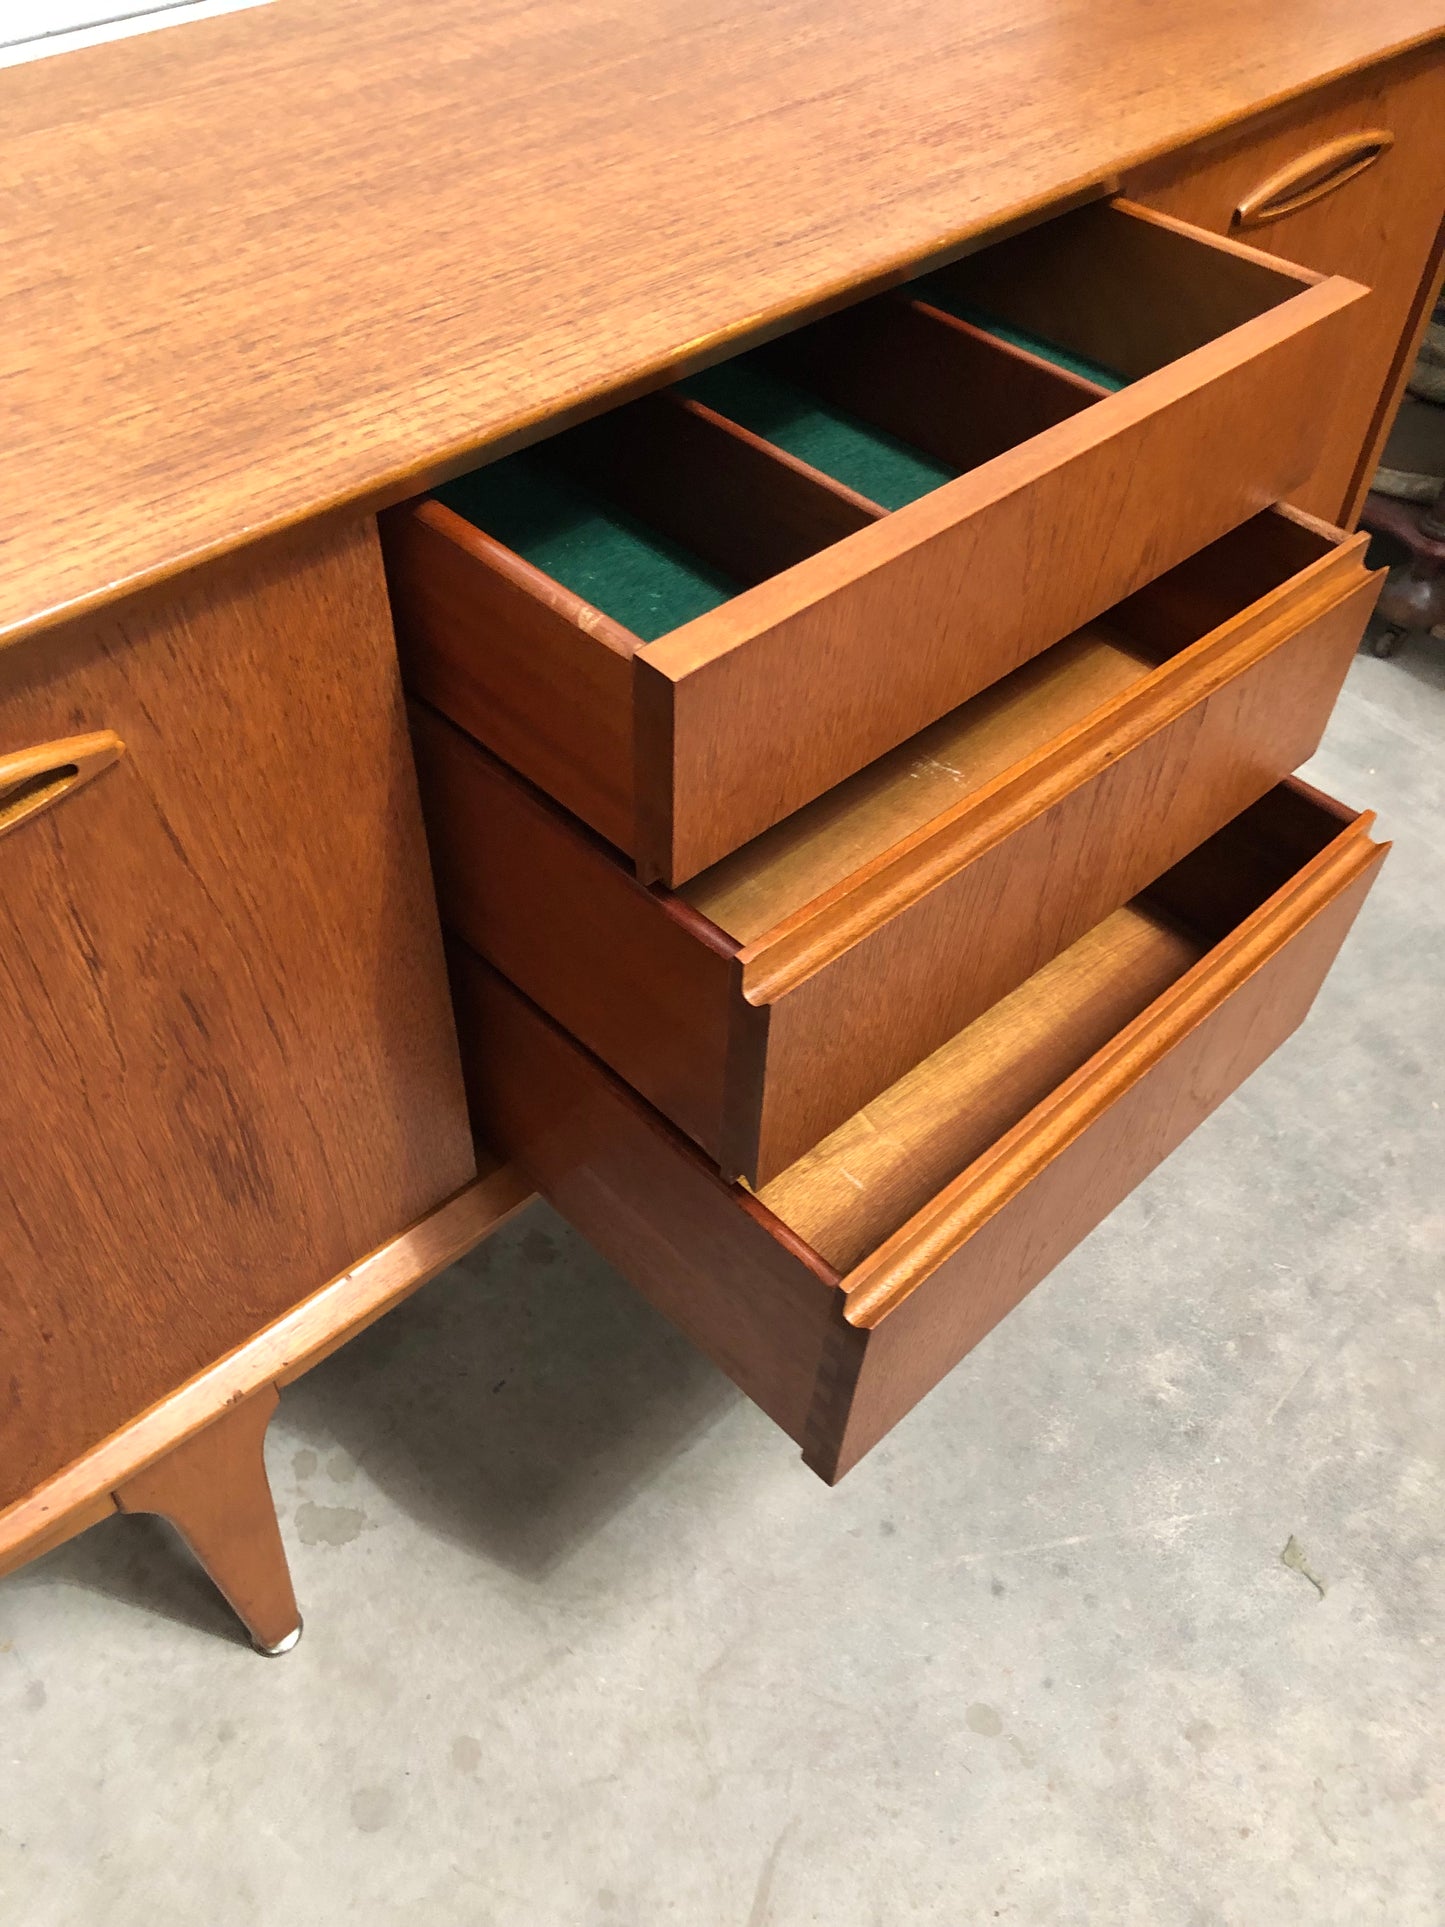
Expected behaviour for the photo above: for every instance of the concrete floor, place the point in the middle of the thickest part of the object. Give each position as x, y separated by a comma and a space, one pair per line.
587, 1647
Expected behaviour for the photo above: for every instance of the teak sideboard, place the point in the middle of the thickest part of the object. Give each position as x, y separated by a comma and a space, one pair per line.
709, 614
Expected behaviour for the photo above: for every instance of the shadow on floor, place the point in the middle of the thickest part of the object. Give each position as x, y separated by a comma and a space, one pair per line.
141, 1562
512, 1405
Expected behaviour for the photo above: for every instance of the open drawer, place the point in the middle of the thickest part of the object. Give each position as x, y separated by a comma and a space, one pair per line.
838, 1295
765, 1001
692, 615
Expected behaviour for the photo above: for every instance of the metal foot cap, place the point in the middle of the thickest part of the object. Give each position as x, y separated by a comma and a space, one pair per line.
282, 1645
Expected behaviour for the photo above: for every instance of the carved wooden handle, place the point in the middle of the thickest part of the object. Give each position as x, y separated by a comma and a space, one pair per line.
32, 779
1309, 177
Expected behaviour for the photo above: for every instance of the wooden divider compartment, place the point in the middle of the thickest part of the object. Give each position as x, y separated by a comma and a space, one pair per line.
779, 991
851, 628
844, 1291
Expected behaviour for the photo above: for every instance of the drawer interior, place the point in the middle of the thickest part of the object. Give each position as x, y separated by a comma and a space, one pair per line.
666, 509
767, 393
663, 510
1116, 296
875, 1171
770, 880
860, 1185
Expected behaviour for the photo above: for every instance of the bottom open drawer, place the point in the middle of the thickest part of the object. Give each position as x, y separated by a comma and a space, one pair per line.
848, 1286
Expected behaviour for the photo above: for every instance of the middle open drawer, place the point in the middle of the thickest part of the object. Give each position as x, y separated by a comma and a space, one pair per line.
767, 1000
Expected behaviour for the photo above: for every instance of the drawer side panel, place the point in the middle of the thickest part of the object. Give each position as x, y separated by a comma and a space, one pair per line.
536, 688
746, 1297
537, 896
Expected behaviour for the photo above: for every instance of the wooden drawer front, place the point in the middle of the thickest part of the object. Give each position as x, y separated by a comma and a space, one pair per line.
684, 628
228, 1068
843, 1291
768, 1000
1351, 181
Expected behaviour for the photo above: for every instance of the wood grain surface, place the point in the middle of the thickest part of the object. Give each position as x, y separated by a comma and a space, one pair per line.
1381, 227
870, 1175
769, 882
771, 697
230, 1068
81, 1494
322, 252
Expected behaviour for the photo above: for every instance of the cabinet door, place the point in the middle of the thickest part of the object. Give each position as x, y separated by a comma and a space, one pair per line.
227, 1063
1352, 182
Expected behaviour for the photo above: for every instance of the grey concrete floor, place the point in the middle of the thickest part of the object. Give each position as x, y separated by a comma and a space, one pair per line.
587, 1645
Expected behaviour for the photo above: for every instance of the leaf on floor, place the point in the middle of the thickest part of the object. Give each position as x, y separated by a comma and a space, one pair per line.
1293, 1556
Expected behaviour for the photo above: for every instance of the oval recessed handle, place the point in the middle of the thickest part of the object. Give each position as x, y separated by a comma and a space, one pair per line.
32, 779
1309, 177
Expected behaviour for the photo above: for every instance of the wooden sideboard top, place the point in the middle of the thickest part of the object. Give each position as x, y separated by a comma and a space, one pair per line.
316, 253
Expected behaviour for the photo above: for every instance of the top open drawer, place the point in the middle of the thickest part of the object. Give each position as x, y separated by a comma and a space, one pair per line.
692, 615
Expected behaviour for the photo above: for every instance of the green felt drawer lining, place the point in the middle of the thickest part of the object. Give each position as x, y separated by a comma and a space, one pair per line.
651, 585
620, 566
853, 452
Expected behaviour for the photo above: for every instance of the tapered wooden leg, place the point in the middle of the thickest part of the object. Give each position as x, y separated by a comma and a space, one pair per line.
214, 1491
